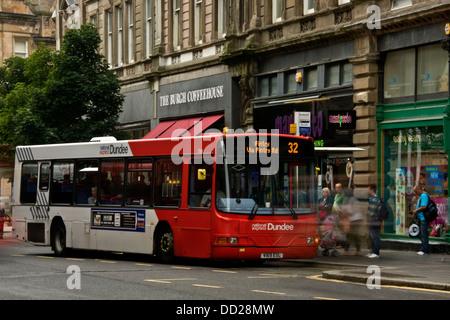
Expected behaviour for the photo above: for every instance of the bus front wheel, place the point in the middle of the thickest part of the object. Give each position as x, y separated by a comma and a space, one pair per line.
58, 240
164, 245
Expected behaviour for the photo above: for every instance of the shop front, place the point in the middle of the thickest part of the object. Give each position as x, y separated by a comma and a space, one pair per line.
310, 93
329, 121
410, 122
201, 101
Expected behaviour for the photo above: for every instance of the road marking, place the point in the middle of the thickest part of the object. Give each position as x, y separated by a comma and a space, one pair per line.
44, 257
144, 264
224, 271
269, 292
272, 275
169, 280
18, 255
184, 268
75, 259
324, 298
107, 261
206, 286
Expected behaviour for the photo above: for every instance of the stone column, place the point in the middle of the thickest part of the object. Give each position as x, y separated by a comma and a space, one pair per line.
365, 70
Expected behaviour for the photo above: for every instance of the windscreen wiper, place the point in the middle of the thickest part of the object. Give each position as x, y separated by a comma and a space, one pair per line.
253, 212
286, 202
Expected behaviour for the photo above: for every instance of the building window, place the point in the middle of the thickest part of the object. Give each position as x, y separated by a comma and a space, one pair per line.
337, 74
119, 19
416, 74
148, 28
308, 6
268, 85
311, 78
291, 82
176, 24
432, 70
276, 10
398, 4
221, 15
21, 48
93, 20
109, 37
130, 32
198, 22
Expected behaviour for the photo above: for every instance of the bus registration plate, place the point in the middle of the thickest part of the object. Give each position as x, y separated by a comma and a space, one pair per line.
272, 255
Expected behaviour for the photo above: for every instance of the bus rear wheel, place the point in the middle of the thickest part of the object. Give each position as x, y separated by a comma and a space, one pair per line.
164, 245
58, 239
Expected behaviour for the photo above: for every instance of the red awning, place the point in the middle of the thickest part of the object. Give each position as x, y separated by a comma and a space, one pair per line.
184, 127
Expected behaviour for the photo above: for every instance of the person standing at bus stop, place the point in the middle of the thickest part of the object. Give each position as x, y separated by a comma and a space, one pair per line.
422, 205
373, 221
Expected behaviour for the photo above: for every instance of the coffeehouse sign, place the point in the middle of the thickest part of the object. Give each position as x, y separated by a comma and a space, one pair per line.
210, 93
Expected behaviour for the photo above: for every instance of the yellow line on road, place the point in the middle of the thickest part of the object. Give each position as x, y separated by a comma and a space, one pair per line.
169, 280
324, 298
44, 257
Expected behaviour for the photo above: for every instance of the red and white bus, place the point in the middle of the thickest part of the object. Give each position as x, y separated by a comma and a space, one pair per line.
242, 196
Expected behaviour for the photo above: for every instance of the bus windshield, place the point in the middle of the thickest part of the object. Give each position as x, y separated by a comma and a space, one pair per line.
241, 188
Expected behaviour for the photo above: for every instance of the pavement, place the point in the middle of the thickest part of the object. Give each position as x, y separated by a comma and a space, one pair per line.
396, 267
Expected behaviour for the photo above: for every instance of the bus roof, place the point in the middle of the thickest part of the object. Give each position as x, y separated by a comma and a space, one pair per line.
110, 147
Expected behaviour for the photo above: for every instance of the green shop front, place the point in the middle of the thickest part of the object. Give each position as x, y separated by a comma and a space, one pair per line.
414, 96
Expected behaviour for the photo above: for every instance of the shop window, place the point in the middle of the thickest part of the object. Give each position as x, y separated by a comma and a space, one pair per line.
86, 185
112, 182
200, 182
62, 182
414, 156
28, 182
139, 182
168, 183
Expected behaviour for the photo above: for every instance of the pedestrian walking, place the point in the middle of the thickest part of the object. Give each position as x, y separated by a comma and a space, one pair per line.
422, 205
3, 218
373, 221
339, 199
352, 209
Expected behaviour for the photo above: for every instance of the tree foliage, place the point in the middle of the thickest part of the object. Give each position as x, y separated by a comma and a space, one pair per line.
65, 96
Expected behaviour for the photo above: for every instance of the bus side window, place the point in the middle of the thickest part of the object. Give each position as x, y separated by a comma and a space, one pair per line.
86, 183
112, 182
139, 182
168, 183
44, 177
200, 183
62, 182
28, 182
